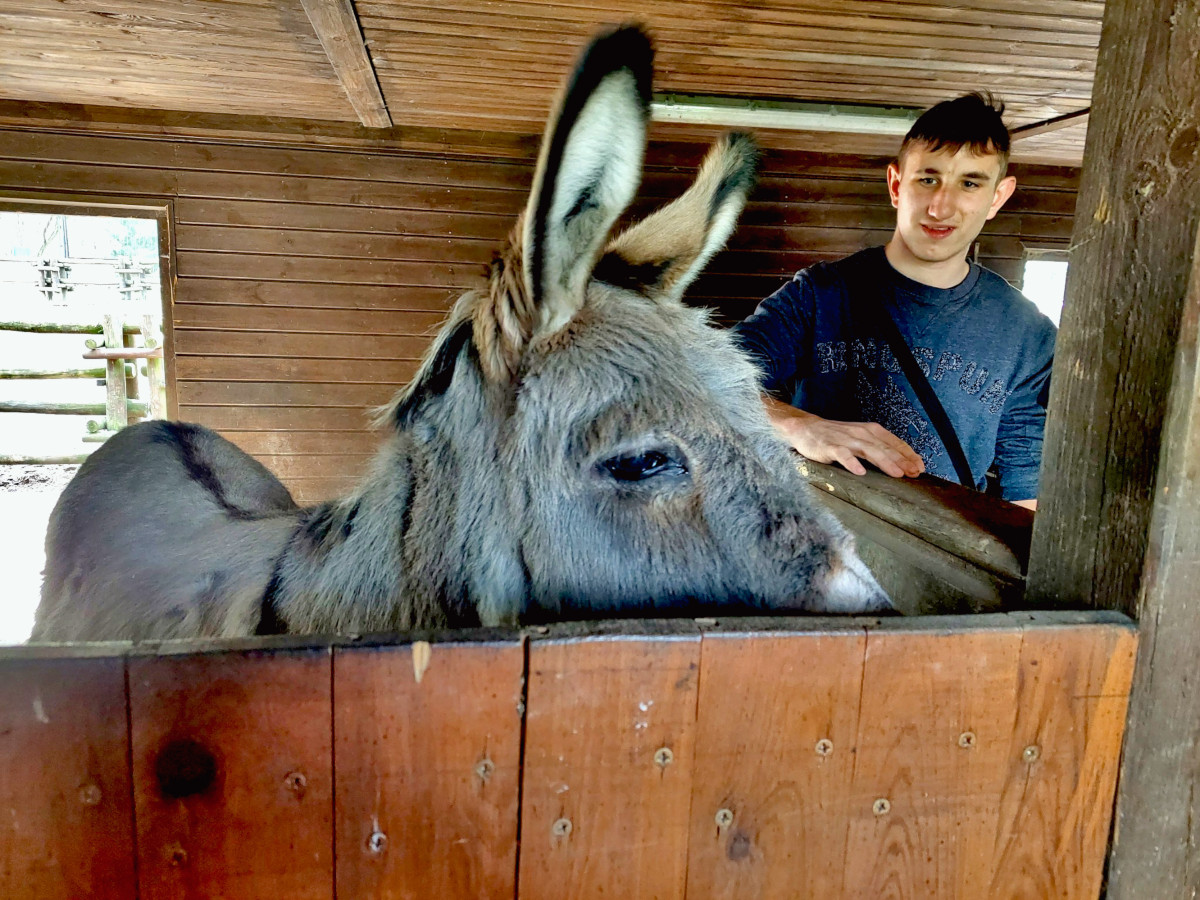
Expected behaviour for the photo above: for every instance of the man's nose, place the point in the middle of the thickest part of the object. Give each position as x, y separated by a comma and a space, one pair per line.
941, 204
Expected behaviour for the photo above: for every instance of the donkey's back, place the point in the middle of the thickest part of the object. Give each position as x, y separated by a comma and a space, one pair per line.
166, 531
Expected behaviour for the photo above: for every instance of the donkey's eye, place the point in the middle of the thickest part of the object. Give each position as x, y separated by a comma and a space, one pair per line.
643, 465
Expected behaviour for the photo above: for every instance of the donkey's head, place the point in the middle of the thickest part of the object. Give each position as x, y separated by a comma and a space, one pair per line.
603, 447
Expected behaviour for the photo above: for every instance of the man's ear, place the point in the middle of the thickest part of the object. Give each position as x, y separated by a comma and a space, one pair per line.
893, 181
1004, 190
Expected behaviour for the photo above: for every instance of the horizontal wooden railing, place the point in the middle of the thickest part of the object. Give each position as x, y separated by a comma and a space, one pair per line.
935, 547
970, 756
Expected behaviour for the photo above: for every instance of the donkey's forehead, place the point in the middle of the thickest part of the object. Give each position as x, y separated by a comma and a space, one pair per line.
624, 345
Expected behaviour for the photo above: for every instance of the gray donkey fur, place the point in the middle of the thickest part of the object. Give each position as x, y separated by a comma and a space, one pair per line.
577, 443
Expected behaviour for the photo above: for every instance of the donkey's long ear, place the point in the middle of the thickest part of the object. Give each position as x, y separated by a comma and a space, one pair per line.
588, 172
661, 255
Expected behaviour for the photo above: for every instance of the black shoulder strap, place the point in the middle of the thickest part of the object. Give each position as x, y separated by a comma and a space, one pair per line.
869, 301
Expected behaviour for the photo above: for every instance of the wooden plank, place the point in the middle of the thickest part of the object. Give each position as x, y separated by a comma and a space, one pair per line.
774, 761
919, 577
355, 397
934, 734
428, 769
395, 373
1154, 847
983, 530
609, 741
265, 423
66, 826
310, 295
1131, 260
1056, 803
233, 774
337, 28
265, 344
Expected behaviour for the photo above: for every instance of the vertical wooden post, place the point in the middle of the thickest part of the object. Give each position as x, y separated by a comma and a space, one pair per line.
152, 337
1134, 226
1155, 848
116, 408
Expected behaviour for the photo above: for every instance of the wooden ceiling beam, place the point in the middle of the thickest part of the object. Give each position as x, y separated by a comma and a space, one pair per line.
337, 28
1071, 118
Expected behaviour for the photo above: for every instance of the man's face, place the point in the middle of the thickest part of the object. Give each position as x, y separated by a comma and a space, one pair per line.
942, 200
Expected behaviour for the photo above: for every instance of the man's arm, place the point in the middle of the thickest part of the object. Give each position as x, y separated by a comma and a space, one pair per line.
827, 441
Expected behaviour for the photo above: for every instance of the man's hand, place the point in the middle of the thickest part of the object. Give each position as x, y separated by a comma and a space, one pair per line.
826, 441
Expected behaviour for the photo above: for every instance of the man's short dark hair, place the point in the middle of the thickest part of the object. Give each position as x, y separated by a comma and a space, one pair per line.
972, 120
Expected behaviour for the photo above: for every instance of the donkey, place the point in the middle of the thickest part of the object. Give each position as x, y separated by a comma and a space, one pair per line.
576, 444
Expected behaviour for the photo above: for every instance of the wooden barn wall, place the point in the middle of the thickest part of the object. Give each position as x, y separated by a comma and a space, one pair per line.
310, 279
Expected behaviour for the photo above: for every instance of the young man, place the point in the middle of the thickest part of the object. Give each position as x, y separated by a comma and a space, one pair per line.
984, 348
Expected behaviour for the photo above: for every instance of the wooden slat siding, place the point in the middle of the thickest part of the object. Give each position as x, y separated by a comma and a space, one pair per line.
263, 824
433, 763
767, 702
243, 57
598, 711
1131, 262
1056, 804
311, 280
1041, 61
65, 788
1154, 846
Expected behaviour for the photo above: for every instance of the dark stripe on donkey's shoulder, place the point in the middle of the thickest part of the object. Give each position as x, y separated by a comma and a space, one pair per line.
436, 377
183, 437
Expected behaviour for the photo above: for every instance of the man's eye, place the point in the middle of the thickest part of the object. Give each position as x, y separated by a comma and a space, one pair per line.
640, 466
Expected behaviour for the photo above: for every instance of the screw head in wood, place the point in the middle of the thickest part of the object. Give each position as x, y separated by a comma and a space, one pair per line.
824, 747
966, 740
89, 795
377, 842
485, 769
561, 828
882, 806
296, 783
663, 757
724, 818
176, 855
1031, 753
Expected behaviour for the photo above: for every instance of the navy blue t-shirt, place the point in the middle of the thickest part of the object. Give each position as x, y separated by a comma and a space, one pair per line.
984, 347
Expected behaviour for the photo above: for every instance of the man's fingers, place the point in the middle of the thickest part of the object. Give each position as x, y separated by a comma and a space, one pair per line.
849, 461
911, 460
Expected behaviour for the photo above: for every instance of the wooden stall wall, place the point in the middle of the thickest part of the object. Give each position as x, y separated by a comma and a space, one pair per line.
935, 758
310, 278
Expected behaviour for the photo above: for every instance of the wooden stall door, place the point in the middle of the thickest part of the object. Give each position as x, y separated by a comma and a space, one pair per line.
937, 757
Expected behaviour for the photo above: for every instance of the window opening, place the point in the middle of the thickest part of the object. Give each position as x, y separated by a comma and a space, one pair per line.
66, 274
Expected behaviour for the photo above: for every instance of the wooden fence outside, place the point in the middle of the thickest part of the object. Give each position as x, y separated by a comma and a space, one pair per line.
970, 756
116, 349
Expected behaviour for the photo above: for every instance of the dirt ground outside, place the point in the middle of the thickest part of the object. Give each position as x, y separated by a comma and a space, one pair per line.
27, 496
